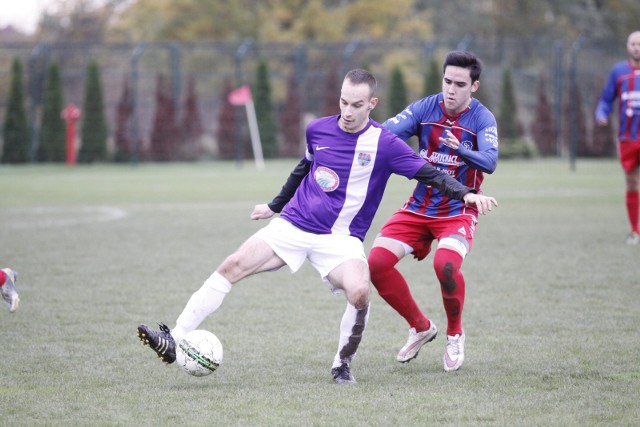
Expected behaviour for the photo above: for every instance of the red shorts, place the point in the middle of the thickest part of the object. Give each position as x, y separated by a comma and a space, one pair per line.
420, 231
629, 155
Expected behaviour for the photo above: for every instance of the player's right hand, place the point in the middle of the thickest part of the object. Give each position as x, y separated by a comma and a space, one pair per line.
262, 212
482, 203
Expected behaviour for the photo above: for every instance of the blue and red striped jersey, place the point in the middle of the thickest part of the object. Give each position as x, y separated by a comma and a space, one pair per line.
624, 84
477, 131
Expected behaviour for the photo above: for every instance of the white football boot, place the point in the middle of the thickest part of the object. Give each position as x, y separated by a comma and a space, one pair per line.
454, 352
415, 342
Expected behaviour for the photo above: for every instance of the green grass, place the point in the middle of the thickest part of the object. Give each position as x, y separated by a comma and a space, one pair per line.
551, 314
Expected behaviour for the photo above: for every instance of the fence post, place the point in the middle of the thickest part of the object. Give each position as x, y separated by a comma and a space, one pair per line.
558, 91
135, 59
176, 76
301, 63
573, 90
35, 77
465, 42
241, 53
347, 55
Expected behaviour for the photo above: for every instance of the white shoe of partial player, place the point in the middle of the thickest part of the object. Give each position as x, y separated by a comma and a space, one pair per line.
415, 342
454, 352
8, 290
633, 238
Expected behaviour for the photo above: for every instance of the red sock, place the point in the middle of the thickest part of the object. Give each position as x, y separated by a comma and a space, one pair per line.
447, 266
633, 203
394, 289
3, 277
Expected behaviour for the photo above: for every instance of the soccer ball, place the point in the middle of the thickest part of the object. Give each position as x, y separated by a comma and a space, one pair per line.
199, 353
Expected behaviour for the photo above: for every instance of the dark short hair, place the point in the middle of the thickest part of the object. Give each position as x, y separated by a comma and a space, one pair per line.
464, 59
360, 76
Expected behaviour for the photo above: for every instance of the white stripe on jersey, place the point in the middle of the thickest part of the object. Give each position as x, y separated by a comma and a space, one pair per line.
359, 177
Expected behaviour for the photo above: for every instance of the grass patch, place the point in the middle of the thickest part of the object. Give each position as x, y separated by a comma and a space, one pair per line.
551, 313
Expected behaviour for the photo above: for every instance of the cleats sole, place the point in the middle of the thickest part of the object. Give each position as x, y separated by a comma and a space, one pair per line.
142, 335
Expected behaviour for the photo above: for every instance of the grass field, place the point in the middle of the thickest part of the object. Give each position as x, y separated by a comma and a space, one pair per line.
552, 312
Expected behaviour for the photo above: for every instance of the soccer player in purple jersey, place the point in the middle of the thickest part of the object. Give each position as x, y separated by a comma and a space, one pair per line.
326, 207
624, 84
457, 135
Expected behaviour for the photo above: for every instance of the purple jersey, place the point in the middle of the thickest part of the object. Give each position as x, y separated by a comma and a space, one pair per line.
349, 173
477, 131
623, 83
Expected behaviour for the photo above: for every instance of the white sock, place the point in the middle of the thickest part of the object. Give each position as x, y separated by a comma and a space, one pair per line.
202, 303
352, 327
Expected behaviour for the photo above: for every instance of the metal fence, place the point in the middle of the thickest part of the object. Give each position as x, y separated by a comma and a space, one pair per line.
213, 65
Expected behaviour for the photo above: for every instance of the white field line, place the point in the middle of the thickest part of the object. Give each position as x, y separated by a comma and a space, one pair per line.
46, 217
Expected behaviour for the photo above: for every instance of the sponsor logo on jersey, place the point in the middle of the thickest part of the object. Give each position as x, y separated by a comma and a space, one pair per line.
632, 98
327, 179
442, 158
364, 159
491, 135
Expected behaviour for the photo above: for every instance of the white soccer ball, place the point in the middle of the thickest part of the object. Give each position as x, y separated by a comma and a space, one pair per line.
199, 353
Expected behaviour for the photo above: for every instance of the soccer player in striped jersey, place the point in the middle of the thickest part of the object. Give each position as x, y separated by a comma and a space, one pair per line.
326, 207
624, 84
457, 135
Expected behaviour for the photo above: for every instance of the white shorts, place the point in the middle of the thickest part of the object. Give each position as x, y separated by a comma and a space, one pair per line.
324, 251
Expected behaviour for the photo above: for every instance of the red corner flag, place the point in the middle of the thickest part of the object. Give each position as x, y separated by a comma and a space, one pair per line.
240, 96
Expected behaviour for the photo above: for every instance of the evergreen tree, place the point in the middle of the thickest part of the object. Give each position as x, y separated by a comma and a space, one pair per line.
16, 128
52, 144
291, 118
575, 126
508, 122
227, 126
191, 126
432, 79
332, 87
509, 128
94, 125
397, 92
264, 112
542, 126
482, 95
123, 117
164, 133
604, 142
377, 114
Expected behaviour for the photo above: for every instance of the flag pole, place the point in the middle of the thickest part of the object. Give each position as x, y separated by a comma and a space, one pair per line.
243, 96
255, 135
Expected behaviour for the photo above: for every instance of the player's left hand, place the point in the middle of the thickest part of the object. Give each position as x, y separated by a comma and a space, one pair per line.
262, 211
450, 141
483, 203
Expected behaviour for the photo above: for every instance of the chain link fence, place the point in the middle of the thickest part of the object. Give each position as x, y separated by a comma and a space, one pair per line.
216, 66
